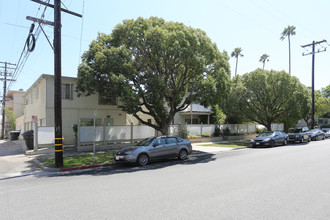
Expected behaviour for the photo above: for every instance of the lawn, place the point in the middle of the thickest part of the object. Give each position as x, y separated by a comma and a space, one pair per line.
232, 145
81, 160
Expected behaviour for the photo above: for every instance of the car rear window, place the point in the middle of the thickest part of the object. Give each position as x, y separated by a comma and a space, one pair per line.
171, 140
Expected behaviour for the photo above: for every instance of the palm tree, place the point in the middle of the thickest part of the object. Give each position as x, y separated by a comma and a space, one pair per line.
263, 59
237, 53
287, 32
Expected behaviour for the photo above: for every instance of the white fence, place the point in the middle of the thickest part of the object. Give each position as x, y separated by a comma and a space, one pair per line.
113, 133
201, 129
107, 134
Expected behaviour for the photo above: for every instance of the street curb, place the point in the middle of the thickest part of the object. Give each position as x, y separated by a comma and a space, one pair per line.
64, 169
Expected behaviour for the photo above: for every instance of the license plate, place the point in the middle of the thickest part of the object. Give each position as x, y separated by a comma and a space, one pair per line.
119, 157
257, 143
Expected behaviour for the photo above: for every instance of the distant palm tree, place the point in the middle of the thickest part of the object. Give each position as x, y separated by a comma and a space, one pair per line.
263, 59
237, 53
287, 32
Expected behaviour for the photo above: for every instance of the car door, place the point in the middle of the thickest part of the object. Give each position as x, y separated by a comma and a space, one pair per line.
279, 138
158, 147
171, 147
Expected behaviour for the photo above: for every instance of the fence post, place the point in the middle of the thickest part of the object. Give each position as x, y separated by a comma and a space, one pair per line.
103, 133
78, 135
131, 132
201, 129
35, 136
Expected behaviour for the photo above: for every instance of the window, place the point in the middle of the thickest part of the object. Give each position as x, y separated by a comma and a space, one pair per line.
107, 100
149, 121
160, 141
31, 97
194, 121
36, 93
171, 140
67, 91
90, 122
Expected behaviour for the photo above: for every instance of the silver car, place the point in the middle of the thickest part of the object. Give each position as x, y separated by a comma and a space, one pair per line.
153, 148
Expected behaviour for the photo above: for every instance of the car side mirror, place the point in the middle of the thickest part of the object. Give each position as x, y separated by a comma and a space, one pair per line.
155, 144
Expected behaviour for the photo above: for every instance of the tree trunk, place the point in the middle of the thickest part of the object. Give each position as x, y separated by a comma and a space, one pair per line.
236, 66
164, 129
289, 55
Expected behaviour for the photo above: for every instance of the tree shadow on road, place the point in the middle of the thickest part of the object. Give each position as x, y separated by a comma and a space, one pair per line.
195, 158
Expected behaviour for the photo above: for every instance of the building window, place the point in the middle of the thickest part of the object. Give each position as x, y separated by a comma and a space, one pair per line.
194, 121
31, 98
90, 122
67, 91
36, 93
107, 100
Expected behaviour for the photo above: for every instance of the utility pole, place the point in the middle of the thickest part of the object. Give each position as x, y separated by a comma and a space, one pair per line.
57, 78
323, 49
4, 79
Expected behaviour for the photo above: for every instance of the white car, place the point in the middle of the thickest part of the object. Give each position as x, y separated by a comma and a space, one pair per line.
327, 133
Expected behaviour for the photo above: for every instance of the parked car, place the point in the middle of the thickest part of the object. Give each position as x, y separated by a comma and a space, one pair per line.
154, 148
270, 138
300, 134
317, 134
326, 132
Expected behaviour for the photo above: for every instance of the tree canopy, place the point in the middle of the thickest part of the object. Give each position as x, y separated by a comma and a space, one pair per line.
267, 97
157, 68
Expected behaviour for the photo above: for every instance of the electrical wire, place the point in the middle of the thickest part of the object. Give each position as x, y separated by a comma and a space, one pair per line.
81, 32
25, 53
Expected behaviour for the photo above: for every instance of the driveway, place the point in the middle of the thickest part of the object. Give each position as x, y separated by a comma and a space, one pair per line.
13, 161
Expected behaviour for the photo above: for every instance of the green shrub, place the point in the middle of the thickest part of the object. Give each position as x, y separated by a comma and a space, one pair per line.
217, 131
206, 135
259, 131
183, 133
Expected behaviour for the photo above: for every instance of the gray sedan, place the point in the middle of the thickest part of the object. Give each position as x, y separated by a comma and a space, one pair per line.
153, 148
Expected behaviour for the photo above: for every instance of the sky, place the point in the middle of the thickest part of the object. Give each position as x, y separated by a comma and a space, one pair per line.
253, 25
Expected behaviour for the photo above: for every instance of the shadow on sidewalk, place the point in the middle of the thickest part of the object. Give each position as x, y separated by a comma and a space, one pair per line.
10, 148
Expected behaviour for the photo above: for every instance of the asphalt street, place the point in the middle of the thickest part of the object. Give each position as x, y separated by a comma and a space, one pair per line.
290, 182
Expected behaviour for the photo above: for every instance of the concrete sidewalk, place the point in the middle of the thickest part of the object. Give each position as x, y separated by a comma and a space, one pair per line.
209, 149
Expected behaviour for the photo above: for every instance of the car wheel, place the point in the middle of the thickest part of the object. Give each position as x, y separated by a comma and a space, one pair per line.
309, 139
143, 159
285, 142
183, 154
301, 140
323, 138
272, 144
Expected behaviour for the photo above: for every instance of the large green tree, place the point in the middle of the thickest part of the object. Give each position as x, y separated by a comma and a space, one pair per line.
287, 32
269, 96
321, 105
237, 53
157, 68
326, 92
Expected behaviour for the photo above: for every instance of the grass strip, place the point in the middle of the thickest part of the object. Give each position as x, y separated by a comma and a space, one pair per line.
81, 160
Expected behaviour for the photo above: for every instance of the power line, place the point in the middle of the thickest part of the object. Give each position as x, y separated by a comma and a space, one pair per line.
323, 49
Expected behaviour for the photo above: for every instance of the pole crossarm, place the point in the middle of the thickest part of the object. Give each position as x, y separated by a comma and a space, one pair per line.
62, 9
40, 21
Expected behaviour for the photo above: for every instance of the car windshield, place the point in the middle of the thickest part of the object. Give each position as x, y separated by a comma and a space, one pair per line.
266, 134
294, 130
314, 130
146, 141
